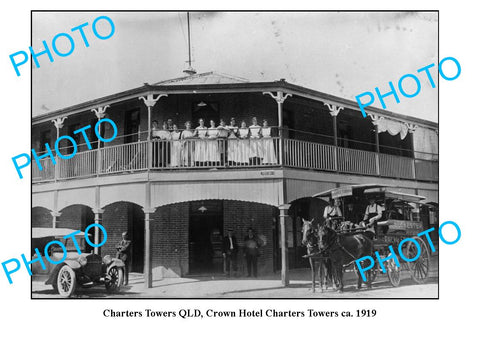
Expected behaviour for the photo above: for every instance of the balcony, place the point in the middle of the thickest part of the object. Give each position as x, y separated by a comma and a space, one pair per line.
192, 154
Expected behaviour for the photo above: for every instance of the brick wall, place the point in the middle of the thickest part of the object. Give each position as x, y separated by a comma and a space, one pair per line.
169, 228
115, 220
71, 217
41, 218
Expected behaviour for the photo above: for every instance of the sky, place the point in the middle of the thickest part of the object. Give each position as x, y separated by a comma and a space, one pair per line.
340, 53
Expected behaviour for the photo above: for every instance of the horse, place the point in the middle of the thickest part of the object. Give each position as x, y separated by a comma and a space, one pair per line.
324, 265
342, 250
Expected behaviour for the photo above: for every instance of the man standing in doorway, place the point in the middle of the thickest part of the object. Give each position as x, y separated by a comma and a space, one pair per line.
230, 249
251, 252
123, 253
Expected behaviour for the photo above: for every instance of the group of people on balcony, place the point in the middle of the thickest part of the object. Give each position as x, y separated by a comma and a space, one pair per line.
213, 145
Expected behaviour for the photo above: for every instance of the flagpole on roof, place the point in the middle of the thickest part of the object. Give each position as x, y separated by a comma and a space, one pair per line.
190, 71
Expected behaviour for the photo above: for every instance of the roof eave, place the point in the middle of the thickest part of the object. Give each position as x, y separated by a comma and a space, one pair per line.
280, 85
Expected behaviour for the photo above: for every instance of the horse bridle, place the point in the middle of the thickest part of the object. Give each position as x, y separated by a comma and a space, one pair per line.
311, 231
336, 241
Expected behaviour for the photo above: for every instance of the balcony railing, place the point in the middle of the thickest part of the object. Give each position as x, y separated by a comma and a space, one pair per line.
232, 153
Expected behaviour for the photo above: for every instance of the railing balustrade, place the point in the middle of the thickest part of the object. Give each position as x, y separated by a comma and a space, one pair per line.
232, 153
124, 158
357, 161
395, 166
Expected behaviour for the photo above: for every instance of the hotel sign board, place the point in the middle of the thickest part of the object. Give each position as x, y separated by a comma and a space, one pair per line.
342, 192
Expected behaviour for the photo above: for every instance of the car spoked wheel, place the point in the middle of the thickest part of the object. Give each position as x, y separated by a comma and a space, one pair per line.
114, 279
66, 281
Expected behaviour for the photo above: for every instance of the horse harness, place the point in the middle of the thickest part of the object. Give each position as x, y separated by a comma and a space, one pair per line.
336, 242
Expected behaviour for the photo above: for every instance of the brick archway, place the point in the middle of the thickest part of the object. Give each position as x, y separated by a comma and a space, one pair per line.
41, 218
122, 216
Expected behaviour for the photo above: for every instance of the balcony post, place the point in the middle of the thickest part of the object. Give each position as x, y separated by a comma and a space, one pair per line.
55, 214
283, 243
334, 111
280, 98
147, 267
100, 114
58, 122
98, 219
411, 129
375, 120
150, 102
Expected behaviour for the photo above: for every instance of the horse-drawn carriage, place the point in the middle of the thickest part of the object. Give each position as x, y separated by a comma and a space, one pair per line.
337, 244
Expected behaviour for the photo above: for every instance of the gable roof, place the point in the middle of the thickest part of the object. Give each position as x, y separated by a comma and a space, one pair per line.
203, 79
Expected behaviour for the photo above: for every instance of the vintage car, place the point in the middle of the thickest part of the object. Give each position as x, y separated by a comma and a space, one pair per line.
84, 270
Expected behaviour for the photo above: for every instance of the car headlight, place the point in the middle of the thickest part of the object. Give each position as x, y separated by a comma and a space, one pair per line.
82, 260
107, 259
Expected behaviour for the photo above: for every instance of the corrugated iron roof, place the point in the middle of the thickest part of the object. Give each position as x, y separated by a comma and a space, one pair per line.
204, 78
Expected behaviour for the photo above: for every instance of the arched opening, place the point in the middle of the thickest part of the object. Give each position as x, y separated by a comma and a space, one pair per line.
205, 236
303, 208
77, 216
123, 216
41, 218
188, 237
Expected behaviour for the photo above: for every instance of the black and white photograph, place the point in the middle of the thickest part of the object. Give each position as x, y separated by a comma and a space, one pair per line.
225, 155
239, 170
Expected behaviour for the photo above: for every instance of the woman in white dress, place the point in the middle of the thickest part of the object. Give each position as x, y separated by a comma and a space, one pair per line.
256, 149
213, 153
222, 141
232, 143
156, 145
187, 144
269, 156
175, 147
201, 144
165, 137
243, 149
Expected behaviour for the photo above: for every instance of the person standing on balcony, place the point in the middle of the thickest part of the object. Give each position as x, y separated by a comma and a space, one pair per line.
155, 130
232, 147
222, 141
156, 145
243, 143
187, 144
175, 147
170, 124
164, 146
267, 144
213, 153
201, 144
256, 150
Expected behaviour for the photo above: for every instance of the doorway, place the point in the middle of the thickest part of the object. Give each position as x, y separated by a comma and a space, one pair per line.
207, 111
136, 231
206, 237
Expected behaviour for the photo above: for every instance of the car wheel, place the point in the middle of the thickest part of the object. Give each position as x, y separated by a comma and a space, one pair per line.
115, 281
66, 281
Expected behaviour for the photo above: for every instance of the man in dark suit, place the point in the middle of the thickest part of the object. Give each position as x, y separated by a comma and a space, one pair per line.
252, 245
123, 253
230, 250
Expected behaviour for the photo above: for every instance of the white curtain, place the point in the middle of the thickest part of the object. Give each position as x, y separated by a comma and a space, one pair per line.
393, 127
425, 143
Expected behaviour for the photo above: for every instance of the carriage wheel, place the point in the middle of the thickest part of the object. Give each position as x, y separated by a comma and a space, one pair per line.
393, 272
419, 268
